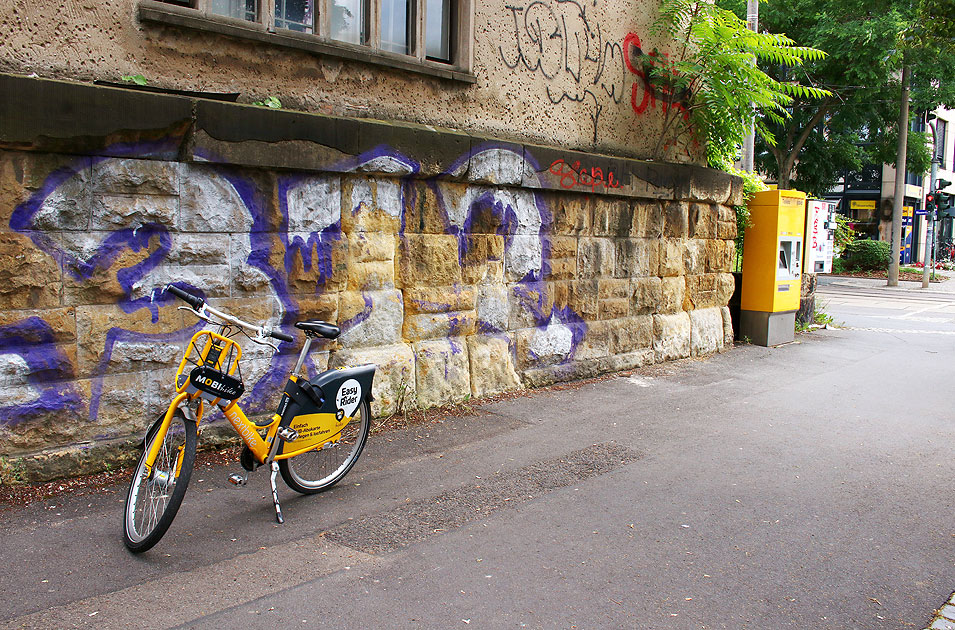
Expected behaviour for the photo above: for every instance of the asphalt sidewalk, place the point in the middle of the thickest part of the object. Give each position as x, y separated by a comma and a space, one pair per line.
806, 486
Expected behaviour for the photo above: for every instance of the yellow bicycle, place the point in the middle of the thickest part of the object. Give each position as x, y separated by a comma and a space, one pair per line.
313, 439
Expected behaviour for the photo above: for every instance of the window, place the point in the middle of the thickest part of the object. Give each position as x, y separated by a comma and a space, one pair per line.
941, 133
428, 36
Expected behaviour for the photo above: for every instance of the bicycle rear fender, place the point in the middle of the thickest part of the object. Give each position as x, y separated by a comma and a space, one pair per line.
318, 409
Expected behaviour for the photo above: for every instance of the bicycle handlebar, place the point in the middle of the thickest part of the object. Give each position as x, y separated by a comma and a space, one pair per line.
199, 305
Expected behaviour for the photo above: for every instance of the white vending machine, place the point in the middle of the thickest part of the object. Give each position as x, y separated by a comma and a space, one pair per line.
820, 235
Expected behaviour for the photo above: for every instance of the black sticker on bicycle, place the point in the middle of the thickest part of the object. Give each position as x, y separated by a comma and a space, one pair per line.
217, 383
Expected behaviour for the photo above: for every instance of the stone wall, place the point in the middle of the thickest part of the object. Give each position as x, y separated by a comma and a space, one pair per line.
461, 266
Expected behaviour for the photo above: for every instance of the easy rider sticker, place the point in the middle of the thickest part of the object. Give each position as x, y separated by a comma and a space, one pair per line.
348, 397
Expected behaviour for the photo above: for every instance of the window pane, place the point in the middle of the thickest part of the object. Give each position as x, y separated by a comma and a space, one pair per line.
394, 25
348, 21
295, 15
242, 9
438, 30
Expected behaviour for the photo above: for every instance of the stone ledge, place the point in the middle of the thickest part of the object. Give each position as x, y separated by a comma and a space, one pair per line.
77, 118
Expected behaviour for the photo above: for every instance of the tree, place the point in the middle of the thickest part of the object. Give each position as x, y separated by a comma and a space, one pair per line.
845, 129
925, 40
711, 82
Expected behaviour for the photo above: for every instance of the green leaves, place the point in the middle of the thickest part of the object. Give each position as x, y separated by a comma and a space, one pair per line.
138, 79
271, 102
717, 79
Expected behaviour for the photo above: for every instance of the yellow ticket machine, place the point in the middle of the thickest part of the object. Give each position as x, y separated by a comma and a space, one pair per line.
772, 266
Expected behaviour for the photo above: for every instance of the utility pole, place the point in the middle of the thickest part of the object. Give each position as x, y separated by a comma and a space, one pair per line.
930, 228
749, 142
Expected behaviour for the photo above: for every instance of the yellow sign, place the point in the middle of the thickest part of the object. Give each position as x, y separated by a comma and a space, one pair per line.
862, 204
908, 211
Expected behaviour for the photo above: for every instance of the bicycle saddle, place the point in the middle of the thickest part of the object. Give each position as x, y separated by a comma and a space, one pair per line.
318, 327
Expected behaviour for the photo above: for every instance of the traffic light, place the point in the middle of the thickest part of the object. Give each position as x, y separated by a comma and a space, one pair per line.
943, 201
930, 204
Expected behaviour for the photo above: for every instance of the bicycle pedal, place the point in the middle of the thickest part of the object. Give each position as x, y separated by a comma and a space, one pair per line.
237, 480
288, 434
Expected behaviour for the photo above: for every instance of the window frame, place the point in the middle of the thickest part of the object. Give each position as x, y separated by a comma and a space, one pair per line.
197, 15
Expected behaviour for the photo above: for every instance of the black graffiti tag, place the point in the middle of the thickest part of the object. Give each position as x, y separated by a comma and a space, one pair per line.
558, 41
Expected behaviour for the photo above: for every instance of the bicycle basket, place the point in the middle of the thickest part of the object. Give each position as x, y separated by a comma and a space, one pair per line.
215, 373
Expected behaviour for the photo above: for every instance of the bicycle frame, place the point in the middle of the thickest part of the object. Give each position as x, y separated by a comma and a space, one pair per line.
264, 449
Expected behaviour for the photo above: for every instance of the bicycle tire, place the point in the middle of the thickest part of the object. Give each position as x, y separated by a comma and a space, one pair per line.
320, 469
152, 502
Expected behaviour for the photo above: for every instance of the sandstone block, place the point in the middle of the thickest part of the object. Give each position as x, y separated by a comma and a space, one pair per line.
695, 255
42, 411
138, 177
316, 262
562, 259
706, 331
113, 212
374, 204
370, 318
725, 287
671, 336
637, 257
492, 308
25, 366
673, 294
729, 335
198, 249
68, 205
646, 295
631, 334
551, 343
394, 386
596, 257
135, 345
29, 278
442, 371
672, 257
209, 202
40, 326
439, 299
572, 214
428, 260
676, 219
597, 341
613, 298
613, 217
426, 206
482, 258
524, 258
438, 325
701, 290
726, 225
312, 203
491, 364
703, 219
648, 219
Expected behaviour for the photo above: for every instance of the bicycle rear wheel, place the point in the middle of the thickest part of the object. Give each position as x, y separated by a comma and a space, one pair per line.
155, 496
322, 468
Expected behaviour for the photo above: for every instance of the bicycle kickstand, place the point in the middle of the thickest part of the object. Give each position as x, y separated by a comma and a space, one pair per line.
275, 495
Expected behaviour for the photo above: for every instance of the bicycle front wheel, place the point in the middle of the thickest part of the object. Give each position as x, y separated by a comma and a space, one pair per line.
155, 496
322, 468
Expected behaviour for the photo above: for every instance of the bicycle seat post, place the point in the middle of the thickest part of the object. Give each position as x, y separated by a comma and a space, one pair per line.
302, 355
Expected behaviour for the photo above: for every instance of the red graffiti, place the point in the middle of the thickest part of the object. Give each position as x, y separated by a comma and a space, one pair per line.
576, 176
632, 50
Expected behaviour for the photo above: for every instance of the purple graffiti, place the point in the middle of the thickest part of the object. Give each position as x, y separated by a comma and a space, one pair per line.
31, 343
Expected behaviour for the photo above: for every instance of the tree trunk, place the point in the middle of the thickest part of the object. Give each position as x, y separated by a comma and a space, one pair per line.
893, 280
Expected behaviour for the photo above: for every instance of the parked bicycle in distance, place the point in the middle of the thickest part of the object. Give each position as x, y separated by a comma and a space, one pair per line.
314, 438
